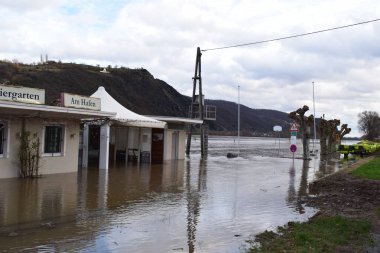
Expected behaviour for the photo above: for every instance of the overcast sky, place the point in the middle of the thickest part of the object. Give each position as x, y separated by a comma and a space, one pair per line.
162, 36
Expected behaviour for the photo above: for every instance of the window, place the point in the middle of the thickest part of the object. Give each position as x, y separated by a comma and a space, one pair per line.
3, 139
53, 140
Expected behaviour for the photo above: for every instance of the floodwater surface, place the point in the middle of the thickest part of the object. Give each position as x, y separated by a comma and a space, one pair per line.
191, 205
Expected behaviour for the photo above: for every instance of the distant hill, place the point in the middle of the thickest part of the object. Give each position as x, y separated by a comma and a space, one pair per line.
252, 121
137, 90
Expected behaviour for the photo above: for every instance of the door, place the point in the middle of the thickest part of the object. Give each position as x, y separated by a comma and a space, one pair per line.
157, 145
93, 145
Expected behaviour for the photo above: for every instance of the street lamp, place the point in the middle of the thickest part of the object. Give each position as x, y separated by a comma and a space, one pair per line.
315, 132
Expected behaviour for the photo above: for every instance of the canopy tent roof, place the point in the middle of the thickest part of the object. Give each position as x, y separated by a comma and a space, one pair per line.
177, 120
123, 115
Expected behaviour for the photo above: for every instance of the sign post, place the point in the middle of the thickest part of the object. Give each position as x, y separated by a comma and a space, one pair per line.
293, 138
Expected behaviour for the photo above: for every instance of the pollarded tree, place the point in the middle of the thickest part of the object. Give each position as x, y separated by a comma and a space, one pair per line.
332, 135
344, 130
305, 122
369, 124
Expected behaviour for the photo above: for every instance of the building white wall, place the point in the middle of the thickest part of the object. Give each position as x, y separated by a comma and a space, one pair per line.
168, 144
68, 162
182, 145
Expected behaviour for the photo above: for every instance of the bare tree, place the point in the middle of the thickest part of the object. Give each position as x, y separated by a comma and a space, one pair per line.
305, 122
369, 124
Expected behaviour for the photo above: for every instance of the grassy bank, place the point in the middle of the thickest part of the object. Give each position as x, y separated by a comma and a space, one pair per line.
349, 211
370, 170
322, 234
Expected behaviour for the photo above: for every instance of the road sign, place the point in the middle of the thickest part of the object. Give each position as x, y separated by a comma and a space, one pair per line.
293, 137
294, 128
277, 128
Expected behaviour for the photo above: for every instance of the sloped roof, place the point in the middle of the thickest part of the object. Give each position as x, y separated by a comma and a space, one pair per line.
123, 115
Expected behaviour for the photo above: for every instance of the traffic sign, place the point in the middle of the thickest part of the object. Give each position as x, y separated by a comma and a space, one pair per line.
293, 148
294, 128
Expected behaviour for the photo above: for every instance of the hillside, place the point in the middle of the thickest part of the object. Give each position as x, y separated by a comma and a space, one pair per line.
137, 90
252, 121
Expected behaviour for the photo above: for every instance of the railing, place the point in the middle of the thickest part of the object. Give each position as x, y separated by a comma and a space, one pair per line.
209, 112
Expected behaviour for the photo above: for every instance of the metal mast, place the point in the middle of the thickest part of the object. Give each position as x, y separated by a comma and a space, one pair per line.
197, 105
238, 120
315, 132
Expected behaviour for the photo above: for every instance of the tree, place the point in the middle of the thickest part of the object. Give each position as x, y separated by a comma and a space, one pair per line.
305, 123
330, 135
29, 153
369, 124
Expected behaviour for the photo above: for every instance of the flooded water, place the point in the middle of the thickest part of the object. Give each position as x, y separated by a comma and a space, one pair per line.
195, 205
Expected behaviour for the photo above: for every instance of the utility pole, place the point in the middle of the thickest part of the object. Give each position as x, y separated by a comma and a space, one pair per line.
315, 129
238, 120
197, 105
198, 109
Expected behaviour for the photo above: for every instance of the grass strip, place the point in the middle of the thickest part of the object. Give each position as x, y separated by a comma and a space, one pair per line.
321, 234
370, 170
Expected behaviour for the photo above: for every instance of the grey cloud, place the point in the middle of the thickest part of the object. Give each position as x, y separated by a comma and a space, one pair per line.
27, 5
162, 36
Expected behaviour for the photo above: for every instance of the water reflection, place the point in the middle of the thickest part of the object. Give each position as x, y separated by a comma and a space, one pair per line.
69, 206
193, 198
29, 200
295, 198
196, 205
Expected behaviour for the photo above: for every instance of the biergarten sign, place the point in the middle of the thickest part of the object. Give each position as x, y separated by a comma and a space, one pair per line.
22, 94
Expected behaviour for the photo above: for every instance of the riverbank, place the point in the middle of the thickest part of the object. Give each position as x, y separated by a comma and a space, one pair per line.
339, 196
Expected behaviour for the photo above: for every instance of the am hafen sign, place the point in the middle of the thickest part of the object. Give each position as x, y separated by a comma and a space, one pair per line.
80, 102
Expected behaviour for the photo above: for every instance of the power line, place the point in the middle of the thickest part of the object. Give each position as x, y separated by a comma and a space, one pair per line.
291, 36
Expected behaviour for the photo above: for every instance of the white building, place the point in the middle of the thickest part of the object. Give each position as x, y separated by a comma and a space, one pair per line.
133, 137
175, 136
57, 129
111, 133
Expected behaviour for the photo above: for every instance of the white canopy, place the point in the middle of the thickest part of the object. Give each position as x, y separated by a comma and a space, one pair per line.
123, 115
